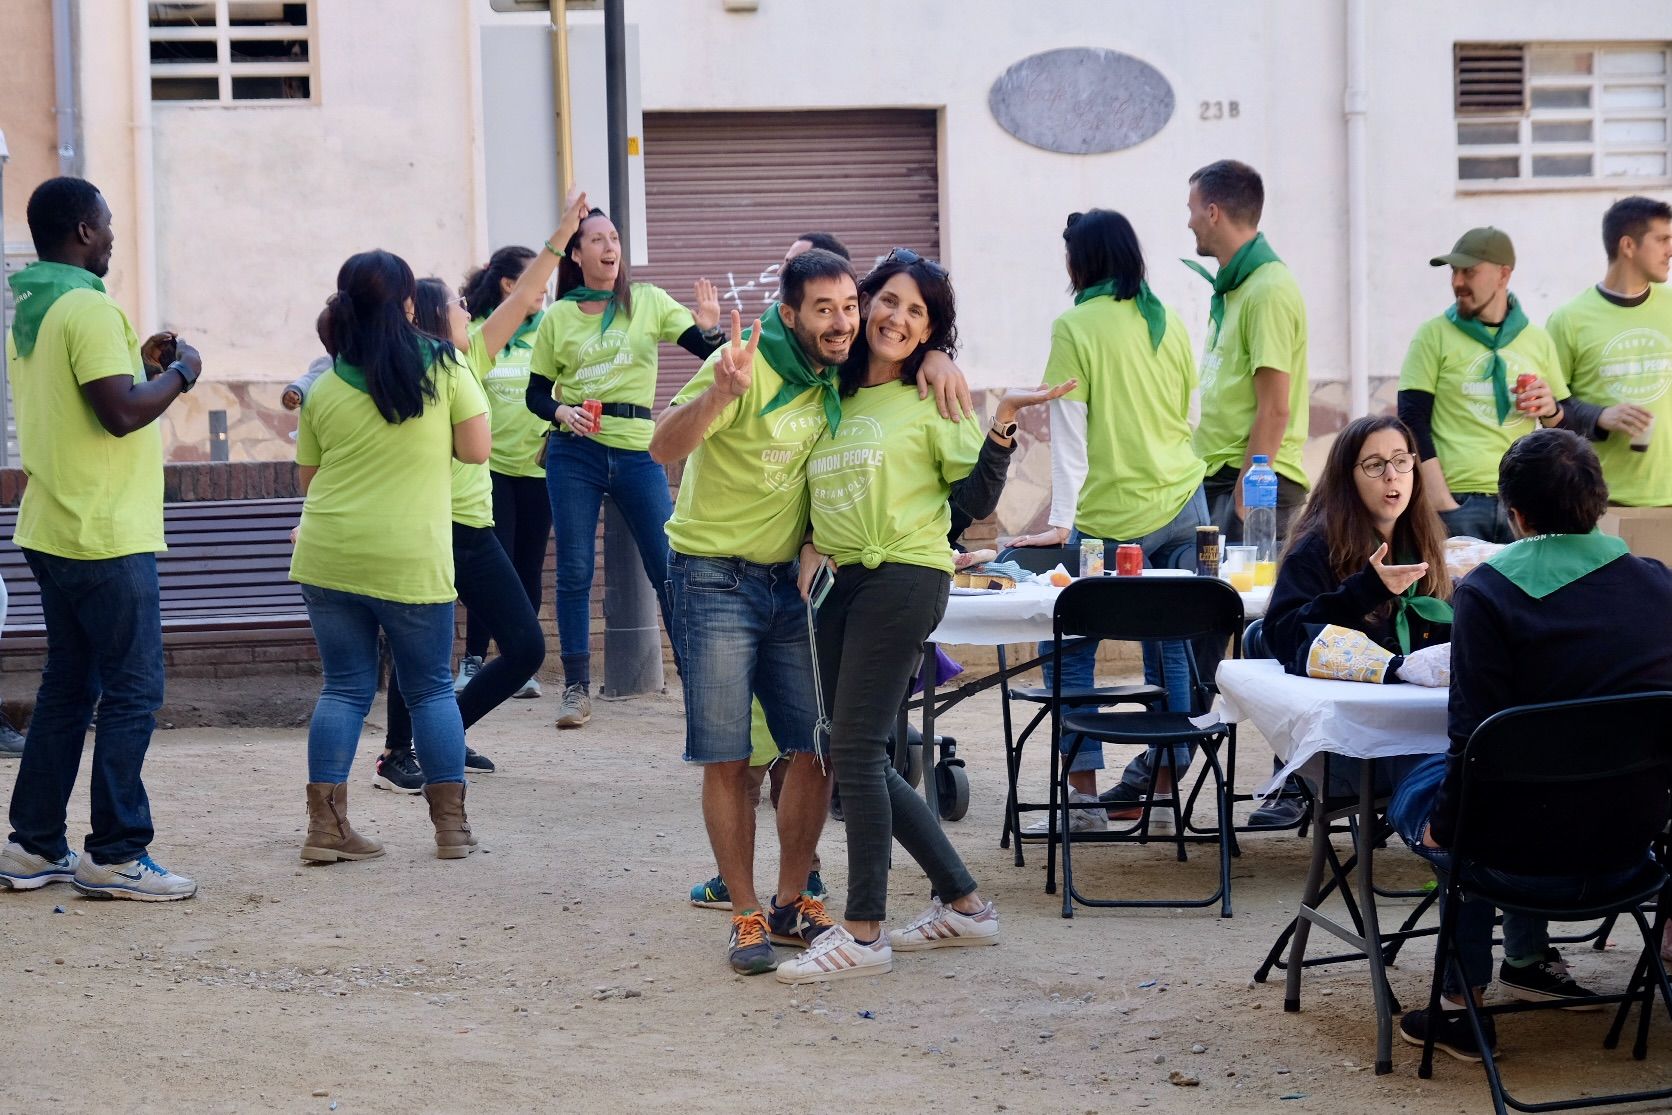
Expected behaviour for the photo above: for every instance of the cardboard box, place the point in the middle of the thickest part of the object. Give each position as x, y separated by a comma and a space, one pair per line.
1647, 530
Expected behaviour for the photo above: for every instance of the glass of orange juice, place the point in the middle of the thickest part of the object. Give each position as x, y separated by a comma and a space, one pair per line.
1265, 573
1238, 567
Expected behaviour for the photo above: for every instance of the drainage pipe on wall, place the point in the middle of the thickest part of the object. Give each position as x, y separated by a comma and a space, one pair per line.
1356, 103
66, 87
145, 207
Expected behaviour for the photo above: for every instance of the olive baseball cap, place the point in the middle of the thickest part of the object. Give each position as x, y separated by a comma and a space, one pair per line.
1479, 245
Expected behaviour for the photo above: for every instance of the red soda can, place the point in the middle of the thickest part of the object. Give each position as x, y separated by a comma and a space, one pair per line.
595, 411
1129, 560
1522, 383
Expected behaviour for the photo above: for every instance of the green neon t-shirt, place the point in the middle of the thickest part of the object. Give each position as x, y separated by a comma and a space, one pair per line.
517, 431
1454, 368
377, 519
472, 486
1623, 354
880, 484
1141, 467
1264, 327
744, 492
617, 366
91, 495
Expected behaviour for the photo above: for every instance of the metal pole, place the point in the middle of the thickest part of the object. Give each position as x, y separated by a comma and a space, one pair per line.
65, 93
632, 636
560, 96
5, 371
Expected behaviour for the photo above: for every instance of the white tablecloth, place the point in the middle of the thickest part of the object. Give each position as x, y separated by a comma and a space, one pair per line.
1301, 717
1024, 614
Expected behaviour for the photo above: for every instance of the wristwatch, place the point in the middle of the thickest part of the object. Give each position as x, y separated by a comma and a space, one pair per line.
188, 376
1005, 430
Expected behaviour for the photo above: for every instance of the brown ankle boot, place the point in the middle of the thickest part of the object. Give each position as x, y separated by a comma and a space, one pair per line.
452, 827
330, 836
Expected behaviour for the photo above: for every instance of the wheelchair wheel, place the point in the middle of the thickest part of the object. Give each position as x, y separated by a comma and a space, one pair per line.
952, 785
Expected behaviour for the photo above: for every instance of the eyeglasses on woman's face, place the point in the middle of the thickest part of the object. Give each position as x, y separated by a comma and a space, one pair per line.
1401, 463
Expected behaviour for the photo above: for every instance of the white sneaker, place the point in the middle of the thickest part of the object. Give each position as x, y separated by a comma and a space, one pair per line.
1079, 820
24, 870
836, 955
940, 926
143, 880
469, 666
530, 690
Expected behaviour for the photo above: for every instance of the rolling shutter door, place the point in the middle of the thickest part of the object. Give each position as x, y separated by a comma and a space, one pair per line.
727, 192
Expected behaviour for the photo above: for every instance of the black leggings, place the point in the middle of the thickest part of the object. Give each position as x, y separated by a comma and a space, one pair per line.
522, 521
488, 587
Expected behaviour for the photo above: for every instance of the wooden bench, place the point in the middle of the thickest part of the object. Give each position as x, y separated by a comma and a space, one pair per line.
225, 575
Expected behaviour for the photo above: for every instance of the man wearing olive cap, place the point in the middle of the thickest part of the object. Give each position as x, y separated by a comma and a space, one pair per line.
1457, 389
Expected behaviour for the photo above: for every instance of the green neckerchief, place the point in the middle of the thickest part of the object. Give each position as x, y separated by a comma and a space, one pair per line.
350, 375
431, 350
1249, 258
1429, 608
1514, 322
1155, 314
1540, 565
524, 336
587, 294
783, 352
35, 289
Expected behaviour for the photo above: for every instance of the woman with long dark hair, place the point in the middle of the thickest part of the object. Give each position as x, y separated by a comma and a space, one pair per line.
487, 581
374, 450
598, 343
881, 482
522, 514
1122, 467
1367, 552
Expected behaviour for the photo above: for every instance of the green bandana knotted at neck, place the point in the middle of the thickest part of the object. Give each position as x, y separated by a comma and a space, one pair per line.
1514, 322
1540, 565
35, 289
1429, 608
1154, 313
522, 338
587, 294
783, 352
1249, 258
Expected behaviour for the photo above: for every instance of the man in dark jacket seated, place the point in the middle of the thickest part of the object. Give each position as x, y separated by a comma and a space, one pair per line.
1564, 613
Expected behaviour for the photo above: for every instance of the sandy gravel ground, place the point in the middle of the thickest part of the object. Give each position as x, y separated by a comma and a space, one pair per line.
562, 969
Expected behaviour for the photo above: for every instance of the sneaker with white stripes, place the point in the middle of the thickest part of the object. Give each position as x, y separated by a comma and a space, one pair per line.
21, 869
836, 955
940, 926
143, 879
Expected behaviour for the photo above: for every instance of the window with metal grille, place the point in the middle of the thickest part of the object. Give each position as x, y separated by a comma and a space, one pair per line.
228, 51
1533, 115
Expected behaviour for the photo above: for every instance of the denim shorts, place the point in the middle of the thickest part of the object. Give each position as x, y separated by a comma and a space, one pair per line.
741, 631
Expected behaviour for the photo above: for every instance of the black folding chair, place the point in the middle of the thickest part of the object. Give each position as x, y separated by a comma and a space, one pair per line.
1041, 560
1138, 608
1526, 773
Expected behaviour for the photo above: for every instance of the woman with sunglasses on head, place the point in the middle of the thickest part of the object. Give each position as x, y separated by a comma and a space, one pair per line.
1366, 553
880, 482
487, 581
599, 343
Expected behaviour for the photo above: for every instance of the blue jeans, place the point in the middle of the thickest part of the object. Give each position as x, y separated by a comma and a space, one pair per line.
345, 626
1166, 664
740, 630
579, 474
1479, 515
104, 646
1525, 937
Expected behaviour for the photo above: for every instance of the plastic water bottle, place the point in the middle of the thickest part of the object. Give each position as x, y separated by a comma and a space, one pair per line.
1259, 524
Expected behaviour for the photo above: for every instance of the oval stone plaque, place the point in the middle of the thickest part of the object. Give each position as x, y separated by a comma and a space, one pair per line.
1081, 100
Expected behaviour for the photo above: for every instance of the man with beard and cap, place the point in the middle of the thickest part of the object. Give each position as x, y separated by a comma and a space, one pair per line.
748, 422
